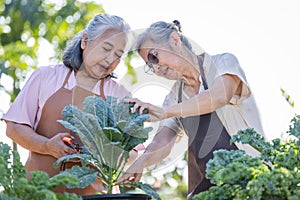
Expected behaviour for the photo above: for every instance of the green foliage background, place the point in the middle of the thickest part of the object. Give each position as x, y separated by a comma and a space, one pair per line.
23, 26
15, 186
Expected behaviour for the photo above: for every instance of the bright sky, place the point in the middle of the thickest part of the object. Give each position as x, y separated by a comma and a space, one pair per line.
264, 35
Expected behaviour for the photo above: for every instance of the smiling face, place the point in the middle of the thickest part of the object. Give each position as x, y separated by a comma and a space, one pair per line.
102, 55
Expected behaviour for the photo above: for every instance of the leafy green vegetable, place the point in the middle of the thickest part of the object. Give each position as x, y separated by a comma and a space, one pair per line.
275, 174
109, 131
240, 168
143, 186
17, 187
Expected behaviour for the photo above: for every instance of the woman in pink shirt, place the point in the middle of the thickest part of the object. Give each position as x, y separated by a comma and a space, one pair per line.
89, 60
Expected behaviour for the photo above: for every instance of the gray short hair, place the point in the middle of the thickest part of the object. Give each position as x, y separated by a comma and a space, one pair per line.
159, 32
72, 56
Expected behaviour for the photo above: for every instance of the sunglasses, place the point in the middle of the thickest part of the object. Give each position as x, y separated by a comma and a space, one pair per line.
152, 60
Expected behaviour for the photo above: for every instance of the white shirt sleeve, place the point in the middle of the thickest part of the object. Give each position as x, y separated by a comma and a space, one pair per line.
228, 64
171, 123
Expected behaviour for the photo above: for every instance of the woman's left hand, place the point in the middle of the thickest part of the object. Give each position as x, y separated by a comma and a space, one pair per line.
156, 113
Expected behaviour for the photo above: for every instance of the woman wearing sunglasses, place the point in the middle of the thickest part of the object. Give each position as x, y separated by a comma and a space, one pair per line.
210, 100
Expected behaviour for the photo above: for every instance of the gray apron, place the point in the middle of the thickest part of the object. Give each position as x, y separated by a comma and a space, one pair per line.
206, 134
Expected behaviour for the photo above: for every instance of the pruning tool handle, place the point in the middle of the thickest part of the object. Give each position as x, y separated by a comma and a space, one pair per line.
69, 142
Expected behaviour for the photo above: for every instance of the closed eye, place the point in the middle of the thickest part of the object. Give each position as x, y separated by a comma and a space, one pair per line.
106, 49
118, 55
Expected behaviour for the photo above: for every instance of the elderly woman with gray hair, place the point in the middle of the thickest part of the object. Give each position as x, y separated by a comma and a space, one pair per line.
88, 63
210, 100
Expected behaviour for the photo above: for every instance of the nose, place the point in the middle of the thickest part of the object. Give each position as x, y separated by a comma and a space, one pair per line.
156, 67
109, 58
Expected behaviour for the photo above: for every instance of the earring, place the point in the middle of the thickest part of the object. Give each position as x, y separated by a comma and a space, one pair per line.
83, 43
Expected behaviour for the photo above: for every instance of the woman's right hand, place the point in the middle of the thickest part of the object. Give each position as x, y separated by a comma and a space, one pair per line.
57, 148
156, 113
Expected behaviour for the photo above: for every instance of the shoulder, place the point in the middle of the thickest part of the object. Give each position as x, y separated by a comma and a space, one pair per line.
53, 69
226, 62
113, 88
224, 57
113, 83
53, 72
52, 76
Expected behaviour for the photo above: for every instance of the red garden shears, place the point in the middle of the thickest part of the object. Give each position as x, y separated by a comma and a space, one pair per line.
69, 142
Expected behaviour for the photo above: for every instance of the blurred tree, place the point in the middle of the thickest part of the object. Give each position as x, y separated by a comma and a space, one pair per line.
25, 24
170, 184
130, 69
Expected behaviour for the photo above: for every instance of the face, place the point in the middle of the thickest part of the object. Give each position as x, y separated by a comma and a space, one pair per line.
165, 62
102, 55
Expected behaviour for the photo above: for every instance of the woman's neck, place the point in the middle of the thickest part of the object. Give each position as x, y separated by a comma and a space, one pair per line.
191, 77
85, 81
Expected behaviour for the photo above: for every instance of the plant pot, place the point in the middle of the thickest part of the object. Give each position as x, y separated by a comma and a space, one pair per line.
117, 197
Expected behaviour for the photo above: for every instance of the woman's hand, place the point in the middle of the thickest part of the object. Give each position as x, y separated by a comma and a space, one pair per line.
57, 148
133, 174
156, 113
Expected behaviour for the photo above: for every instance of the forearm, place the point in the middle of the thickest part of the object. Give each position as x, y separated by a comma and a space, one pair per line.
218, 95
154, 155
159, 148
26, 137
198, 105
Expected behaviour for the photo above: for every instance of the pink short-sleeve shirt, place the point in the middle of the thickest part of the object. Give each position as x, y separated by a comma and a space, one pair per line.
42, 84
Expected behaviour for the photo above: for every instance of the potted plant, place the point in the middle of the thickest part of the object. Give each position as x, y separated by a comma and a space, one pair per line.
275, 174
109, 131
15, 186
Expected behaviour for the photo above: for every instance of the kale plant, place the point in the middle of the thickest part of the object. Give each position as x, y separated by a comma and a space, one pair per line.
109, 131
275, 174
15, 186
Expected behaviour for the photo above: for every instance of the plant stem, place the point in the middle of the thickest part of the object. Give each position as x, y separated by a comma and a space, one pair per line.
110, 186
